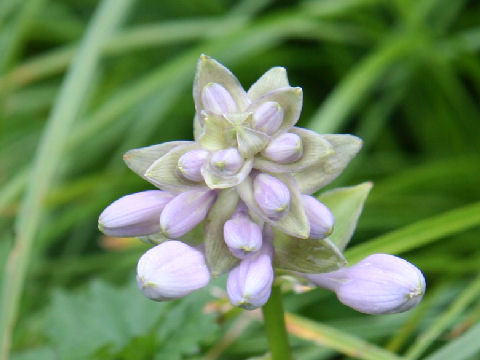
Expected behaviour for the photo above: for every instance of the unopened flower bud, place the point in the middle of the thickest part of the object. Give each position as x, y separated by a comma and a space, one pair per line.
271, 195
249, 284
242, 235
228, 161
185, 212
190, 164
268, 117
135, 214
216, 99
171, 270
379, 284
320, 218
284, 149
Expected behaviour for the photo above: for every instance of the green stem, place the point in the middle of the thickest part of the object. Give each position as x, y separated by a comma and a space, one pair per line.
274, 320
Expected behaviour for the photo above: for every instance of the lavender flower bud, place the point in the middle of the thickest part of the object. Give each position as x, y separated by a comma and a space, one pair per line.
216, 99
185, 212
268, 117
190, 164
284, 149
135, 214
250, 283
379, 284
227, 161
171, 270
271, 195
242, 235
320, 218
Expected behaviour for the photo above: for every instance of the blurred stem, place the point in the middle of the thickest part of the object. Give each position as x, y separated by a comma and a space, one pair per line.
274, 320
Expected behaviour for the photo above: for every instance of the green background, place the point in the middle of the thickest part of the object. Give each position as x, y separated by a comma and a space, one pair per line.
82, 81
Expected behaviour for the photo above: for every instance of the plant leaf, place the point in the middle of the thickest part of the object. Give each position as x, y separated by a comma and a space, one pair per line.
290, 99
327, 169
311, 256
211, 71
315, 147
164, 172
273, 79
139, 160
219, 258
295, 222
346, 205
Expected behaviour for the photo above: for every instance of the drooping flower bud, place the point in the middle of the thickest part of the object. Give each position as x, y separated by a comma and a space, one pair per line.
190, 164
271, 195
135, 214
227, 161
185, 212
268, 117
379, 284
284, 149
171, 270
320, 218
242, 235
249, 284
216, 99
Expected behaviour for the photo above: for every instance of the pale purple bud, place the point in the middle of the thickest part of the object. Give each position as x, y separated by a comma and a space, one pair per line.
171, 270
379, 284
268, 117
242, 235
190, 164
216, 99
227, 161
271, 195
284, 149
135, 214
185, 212
320, 218
250, 283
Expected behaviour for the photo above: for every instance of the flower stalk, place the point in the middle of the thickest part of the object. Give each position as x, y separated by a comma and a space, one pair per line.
274, 319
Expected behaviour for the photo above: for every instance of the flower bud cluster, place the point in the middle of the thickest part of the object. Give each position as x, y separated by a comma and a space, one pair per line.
246, 182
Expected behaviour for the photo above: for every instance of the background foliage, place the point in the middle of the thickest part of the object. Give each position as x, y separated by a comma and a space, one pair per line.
81, 82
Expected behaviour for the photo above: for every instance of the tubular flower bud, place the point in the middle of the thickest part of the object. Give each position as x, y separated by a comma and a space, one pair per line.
185, 212
271, 195
284, 149
379, 284
190, 164
216, 99
320, 218
242, 235
135, 214
227, 161
268, 117
171, 270
249, 284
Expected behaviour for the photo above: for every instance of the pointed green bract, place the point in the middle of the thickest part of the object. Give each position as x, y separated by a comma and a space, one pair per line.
164, 172
290, 99
139, 160
311, 256
273, 79
346, 205
217, 133
214, 180
251, 141
323, 172
211, 71
295, 222
218, 256
315, 147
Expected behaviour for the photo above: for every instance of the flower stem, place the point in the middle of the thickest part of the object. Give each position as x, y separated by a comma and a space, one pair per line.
275, 326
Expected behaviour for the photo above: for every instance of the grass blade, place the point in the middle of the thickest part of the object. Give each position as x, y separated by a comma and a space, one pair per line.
74, 87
